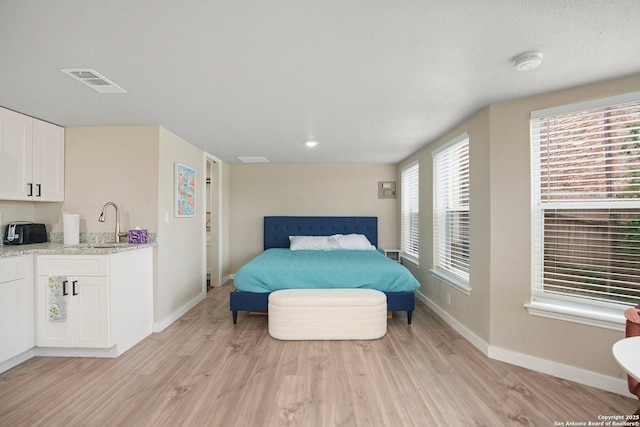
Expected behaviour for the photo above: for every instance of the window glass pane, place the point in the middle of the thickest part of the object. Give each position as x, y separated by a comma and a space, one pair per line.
410, 212
586, 188
451, 208
593, 254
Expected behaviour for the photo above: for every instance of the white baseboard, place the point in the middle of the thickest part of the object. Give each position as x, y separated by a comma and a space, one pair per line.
228, 277
109, 353
160, 326
477, 342
16, 360
567, 372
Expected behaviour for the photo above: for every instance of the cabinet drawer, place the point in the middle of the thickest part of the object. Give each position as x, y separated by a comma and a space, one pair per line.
76, 265
12, 269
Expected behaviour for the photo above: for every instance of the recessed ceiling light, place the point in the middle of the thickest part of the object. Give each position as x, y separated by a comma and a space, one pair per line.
527, 61
311, 144
93, 79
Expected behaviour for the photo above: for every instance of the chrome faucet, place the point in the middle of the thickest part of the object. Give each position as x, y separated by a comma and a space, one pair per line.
117, 232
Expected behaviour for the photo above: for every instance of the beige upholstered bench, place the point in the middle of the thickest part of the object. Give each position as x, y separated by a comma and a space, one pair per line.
327, 314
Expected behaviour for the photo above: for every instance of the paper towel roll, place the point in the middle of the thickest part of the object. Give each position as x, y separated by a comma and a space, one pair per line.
71, 228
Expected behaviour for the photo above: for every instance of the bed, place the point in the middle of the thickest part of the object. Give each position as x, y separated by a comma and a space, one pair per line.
280, 267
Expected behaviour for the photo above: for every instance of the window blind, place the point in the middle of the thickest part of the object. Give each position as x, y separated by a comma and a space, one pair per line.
410, 212
451, 208
586, 200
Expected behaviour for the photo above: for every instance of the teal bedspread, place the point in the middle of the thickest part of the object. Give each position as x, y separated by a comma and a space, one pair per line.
278, 268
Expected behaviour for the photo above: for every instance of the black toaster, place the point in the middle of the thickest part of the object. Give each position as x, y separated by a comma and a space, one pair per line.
24, 233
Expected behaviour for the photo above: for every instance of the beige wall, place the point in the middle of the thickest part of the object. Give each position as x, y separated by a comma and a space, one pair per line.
101, 164
180, 254
306, 189
500, 246
17, 211
225, 223
134, 166
512, 327
117, 163
471, 310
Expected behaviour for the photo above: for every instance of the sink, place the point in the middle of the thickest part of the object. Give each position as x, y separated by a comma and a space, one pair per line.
107, 245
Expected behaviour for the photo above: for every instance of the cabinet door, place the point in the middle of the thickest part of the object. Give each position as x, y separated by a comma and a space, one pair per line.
48, 162
9, 320
17, 329
86, 323
52, 332
15, 155
91, 326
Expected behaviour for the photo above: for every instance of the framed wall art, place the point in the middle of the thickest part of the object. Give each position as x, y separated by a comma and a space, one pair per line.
185, 191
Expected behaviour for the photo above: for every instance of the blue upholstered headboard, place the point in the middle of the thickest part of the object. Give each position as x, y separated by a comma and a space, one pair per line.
277, 229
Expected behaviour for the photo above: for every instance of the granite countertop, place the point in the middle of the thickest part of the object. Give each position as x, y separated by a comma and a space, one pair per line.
61, 249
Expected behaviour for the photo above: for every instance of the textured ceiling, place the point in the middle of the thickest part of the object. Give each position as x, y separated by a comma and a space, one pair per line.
372, 80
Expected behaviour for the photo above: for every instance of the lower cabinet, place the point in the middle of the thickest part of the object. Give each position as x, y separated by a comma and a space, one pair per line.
93, 302
16, 306
84, 320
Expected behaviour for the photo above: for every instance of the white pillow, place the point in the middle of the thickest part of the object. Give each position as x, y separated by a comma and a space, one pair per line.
355, 242
313, 243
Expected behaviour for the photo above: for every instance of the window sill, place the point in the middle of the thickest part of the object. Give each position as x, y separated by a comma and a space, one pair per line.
584, 316
409, 260
452, 280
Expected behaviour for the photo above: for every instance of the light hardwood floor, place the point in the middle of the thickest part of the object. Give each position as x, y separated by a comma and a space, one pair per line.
203, 370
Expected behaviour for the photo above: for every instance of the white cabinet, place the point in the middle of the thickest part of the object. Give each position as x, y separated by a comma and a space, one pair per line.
16, 140
16, 306
48, 162
31, 159
82, 302
106, 302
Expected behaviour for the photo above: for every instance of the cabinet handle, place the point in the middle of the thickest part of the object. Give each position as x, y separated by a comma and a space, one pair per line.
64, 288
39, 190
74, 283
30, 189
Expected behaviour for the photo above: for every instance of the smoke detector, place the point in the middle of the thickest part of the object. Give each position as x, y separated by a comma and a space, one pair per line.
527, 61
93, 79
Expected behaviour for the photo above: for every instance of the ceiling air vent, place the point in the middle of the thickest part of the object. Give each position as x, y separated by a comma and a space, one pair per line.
253, 159
94, 80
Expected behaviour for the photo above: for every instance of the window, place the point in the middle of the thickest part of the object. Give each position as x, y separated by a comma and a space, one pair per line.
451, 213
410, 212
586, 211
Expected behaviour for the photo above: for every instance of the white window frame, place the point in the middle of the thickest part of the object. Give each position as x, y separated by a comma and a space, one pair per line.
446, 186
410, 213
601, 314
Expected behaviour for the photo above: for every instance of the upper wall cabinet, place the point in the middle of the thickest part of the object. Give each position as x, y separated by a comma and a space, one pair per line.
31, 159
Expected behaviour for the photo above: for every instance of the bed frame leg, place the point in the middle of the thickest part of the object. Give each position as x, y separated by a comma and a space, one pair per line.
235, 317
409, 313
